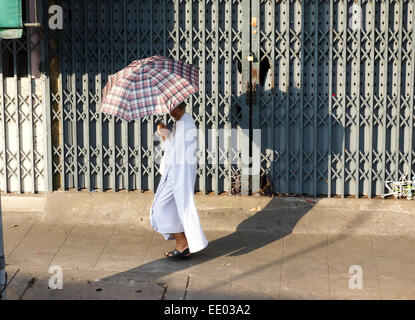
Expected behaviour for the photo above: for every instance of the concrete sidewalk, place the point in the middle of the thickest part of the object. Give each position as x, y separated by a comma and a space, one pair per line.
287, 249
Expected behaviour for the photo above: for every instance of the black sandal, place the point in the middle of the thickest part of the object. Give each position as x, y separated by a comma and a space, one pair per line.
176, 254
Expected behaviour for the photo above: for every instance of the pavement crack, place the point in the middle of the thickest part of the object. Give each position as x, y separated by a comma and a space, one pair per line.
377, 267
282, 261
106, 245
29, 285
165, 286
148, 247
328, 264
21, 240
14, 275
186, 289
63, 242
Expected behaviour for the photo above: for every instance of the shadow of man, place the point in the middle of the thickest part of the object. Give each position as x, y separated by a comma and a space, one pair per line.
271, 224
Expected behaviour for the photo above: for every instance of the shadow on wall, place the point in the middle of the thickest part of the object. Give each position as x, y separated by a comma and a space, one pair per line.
297, 144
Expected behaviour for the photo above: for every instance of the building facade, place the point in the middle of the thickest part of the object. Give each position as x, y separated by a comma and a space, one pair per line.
296, 97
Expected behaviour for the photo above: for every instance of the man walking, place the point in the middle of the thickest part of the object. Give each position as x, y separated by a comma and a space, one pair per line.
173, 212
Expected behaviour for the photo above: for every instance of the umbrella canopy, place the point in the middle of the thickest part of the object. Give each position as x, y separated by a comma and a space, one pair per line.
149, 86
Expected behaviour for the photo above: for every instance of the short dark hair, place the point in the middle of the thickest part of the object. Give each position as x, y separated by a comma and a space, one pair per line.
182, 106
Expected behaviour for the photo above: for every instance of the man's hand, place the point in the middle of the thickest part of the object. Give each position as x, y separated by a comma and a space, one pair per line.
163, 131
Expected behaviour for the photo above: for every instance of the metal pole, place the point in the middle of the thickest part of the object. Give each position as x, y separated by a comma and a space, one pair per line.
3, 278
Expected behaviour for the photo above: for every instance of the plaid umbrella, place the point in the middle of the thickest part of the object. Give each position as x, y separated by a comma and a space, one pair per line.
149, 86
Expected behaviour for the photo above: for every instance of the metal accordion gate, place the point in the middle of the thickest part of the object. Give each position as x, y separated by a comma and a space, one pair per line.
97, 151
296, 97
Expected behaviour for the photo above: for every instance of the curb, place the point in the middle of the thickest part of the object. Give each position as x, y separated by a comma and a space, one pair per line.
228, 213
23, 202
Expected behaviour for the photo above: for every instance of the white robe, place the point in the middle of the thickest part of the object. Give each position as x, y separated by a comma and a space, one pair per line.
173, 209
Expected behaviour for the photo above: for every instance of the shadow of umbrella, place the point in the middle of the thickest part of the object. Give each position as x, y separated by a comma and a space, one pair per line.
273, 223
